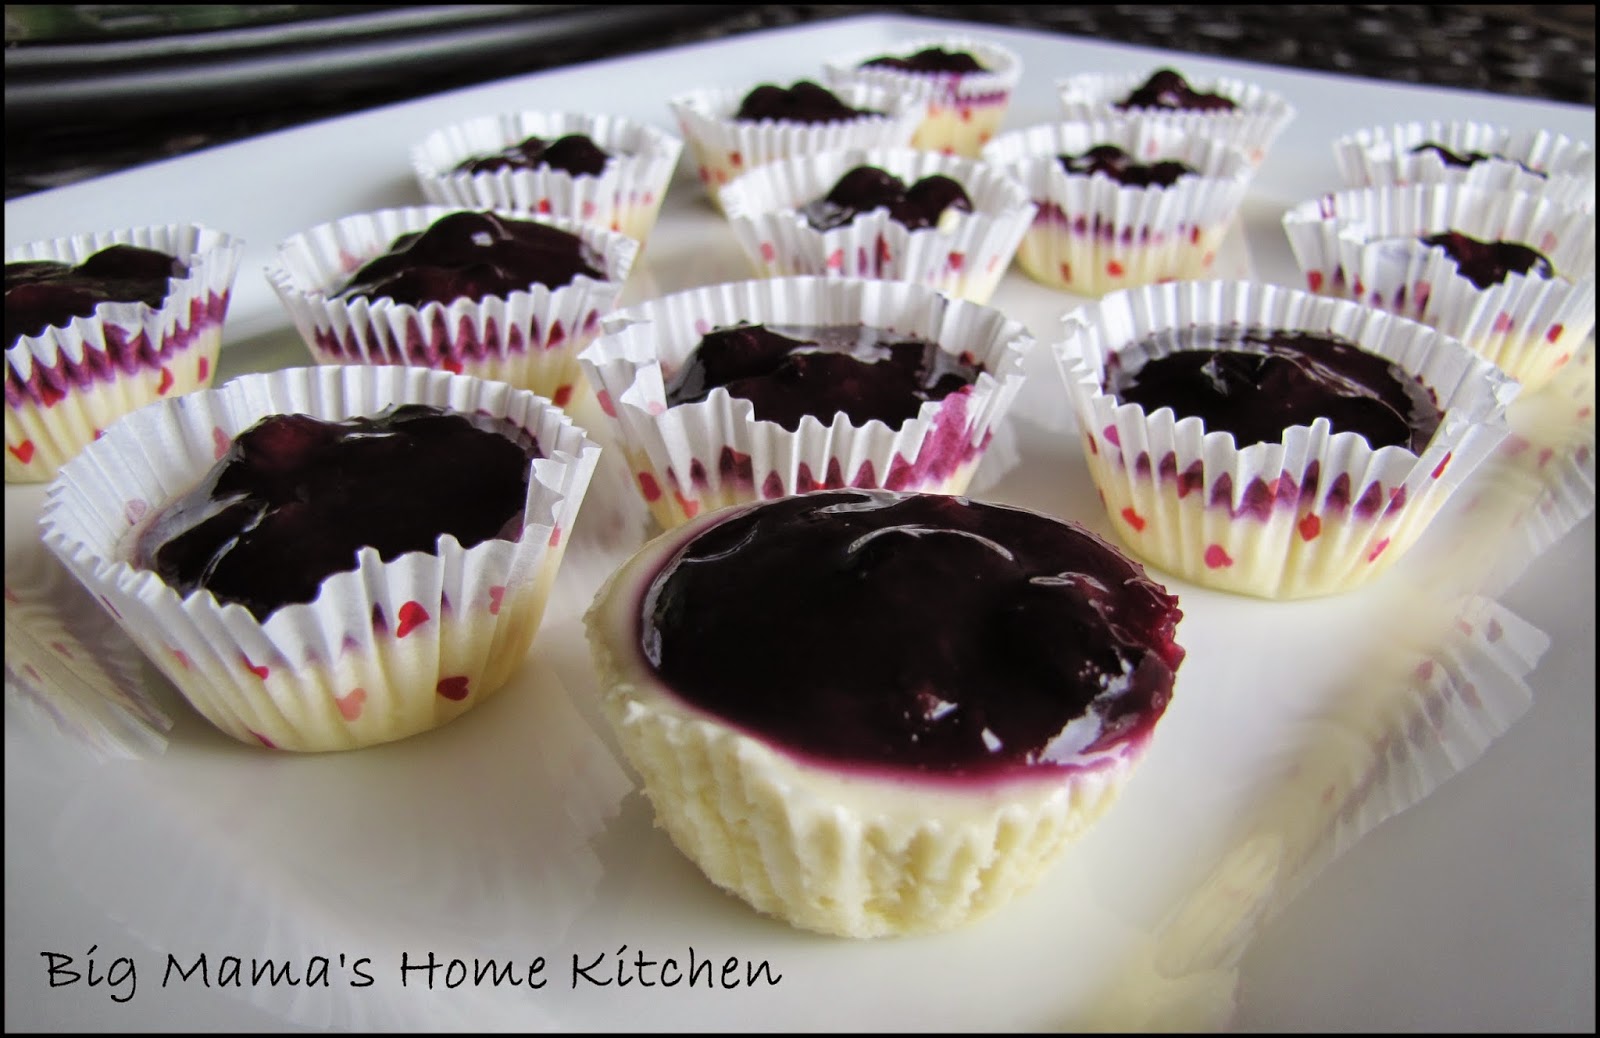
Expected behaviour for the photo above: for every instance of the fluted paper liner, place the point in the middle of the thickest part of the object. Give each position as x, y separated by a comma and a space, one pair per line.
69, 383
1364, 244
626, 196
1316, 513
853, 854
724, 147
964, 110
700, 456
1538, 161
529, 339
965, 260
1253, 125
1094, 234
386, 650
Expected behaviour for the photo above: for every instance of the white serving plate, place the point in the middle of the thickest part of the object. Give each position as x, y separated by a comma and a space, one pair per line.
516, 833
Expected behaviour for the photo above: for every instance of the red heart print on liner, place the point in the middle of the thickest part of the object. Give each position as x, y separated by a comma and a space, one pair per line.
219, 442
1217, 558
23, 451
1309, 527
351, 702
1134, 519
260, 672
412, 616
454, 689
165, 384
497, 595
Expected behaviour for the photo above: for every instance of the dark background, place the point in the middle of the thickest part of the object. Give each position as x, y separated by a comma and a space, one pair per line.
95, 88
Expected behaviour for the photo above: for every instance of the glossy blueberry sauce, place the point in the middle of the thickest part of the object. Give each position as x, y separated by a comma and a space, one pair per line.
1255, 384
1112, 161
914, 632
790, 372
470, 255
866, 188
930, 59
44, 294
1168, 89
576, 153
1486, 263
295, 498
1462, 160
804, 102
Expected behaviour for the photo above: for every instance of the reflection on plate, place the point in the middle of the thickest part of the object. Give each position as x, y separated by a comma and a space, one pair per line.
515, 833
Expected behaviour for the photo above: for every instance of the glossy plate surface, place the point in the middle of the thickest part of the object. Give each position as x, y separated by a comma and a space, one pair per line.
516, 833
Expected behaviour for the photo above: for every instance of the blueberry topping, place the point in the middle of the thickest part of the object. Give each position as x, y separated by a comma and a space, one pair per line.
295, 498
914, 632
804, 102
1255, 384
866, 188
790, 372
1486, 263
1463, 160
473, 256
44, 294
931, 59
1112, 161
1169, 90
575, 153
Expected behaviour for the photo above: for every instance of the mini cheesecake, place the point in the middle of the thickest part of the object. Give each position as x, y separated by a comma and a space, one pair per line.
870, 713
100, 325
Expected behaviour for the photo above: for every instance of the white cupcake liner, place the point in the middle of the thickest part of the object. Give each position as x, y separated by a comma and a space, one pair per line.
1363, 244
701, 456
529, 339
1253, 126
858, 855
68, 384
626, 196
1381, 156
1316, 513
964, 111
724, 147
386, 650
966, 261
1094, 235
